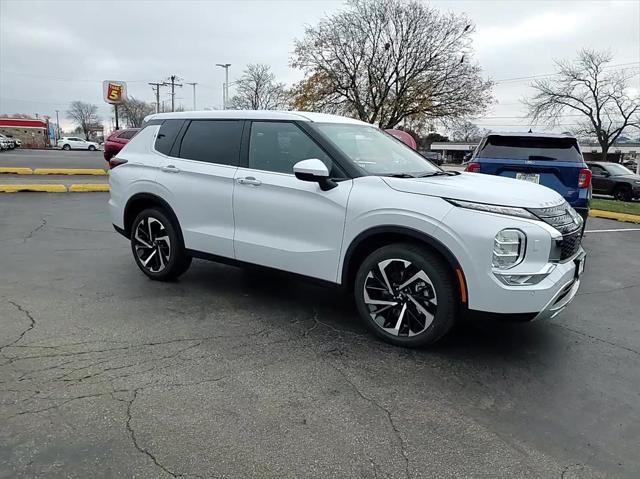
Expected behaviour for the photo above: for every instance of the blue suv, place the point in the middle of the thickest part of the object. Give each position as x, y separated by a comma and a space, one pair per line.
554, 161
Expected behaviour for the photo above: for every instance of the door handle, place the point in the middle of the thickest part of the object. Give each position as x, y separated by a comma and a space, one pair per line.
249, 180
170, 169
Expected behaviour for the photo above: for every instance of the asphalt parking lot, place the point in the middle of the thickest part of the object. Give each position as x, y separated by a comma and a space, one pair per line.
234, 373
52, 158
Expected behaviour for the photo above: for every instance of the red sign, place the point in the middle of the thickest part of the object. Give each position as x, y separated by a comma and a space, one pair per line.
114, 91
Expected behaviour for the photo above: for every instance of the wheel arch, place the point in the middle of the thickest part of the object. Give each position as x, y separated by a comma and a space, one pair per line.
142, 201
371, 239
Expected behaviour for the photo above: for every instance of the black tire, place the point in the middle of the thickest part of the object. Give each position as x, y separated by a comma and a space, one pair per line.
66, 147
166, 259
622, 193
439, 288
92, 148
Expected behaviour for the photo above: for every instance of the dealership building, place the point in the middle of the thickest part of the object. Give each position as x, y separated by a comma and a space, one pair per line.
32, 133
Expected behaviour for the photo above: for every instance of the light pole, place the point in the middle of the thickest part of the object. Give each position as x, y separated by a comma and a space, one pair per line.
225, 91
57, 127
194, 93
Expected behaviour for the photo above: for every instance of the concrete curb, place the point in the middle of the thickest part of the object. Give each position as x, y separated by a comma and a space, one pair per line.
88, 187
16, 170
35, 187
610, 215
70, 171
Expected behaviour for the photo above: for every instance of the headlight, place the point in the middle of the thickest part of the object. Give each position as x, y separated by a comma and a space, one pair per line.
500, 210
508, 249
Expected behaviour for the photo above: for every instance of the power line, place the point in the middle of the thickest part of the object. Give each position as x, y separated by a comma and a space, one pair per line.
543, 75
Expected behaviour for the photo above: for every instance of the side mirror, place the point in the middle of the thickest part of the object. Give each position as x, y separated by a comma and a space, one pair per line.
606, 174
316, 171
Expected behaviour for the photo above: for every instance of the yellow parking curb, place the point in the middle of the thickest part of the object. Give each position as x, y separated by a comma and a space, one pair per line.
88, 187
34, 187
16, 170
69, 171
610, 215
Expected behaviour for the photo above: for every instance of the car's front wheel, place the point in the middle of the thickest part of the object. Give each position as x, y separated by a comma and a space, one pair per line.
66, 147
406, 295
157, 247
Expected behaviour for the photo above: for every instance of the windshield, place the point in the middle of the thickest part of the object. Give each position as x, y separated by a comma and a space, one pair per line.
531, 148
376, 152
616, 169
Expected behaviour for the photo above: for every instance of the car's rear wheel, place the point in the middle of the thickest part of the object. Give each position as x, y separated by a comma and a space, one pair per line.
92, 148
406, 295
157, 247
622, 193
66, 147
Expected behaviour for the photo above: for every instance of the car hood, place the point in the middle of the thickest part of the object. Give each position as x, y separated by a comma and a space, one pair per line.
481, 188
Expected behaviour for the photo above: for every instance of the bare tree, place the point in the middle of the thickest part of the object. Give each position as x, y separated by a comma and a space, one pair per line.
133, 111
257, 89
385, 61
466, 131
85, 115
585, 87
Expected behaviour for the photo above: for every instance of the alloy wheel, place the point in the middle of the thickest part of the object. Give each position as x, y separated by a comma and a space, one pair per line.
152, 245
400, 297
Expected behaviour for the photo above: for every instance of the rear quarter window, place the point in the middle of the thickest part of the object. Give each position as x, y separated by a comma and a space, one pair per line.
531, 148
167, 135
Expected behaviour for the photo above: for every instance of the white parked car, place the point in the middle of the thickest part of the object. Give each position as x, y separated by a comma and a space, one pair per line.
339, 200
7, 143
75, 143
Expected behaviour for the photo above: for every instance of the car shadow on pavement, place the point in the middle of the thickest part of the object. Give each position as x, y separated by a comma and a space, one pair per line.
276, 291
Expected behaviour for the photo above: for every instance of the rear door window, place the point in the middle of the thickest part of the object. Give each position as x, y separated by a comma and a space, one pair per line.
212, 141
167, 135
531, 148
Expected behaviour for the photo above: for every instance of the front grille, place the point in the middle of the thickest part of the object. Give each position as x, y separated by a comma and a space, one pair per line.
570, 244
562, 217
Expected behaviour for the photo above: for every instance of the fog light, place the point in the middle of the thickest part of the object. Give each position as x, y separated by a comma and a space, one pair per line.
508, 249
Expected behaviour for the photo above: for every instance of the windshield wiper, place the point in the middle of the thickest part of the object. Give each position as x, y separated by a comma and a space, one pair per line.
433, 173
400, 175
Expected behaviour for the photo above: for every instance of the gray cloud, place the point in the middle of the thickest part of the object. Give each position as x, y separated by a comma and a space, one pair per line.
52, 53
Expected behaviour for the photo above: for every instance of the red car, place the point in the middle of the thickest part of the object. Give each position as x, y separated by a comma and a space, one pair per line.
117, 140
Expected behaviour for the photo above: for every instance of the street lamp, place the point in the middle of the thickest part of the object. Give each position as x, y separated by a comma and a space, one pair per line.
225, 91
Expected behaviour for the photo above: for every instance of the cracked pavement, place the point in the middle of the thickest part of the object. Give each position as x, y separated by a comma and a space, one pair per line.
236, 373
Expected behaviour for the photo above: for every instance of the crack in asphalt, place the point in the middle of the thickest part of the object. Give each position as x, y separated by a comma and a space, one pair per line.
392, 423
32, 324
29, 235
134, 439
595, 338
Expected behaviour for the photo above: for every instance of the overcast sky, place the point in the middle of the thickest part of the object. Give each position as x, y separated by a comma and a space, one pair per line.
54, 52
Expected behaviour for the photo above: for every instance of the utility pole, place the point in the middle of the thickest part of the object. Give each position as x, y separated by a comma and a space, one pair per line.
225, 91
57, 127
194, 93
173, 84
156, 89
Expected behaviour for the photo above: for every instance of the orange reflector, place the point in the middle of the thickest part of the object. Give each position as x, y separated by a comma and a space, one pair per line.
463, 287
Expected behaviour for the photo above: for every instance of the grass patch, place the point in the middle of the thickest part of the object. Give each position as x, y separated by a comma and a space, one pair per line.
632, 208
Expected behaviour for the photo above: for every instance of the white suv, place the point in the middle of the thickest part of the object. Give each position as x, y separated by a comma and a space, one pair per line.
75, 143
339, 200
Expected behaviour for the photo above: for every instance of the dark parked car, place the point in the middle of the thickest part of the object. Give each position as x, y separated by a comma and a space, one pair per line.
616, 180
554, 161
116, 141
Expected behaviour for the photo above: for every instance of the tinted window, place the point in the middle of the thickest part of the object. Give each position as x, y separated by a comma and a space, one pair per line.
616, 169
531, 148
127, 135
596, 170
167, 135
278, 146
213, 141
